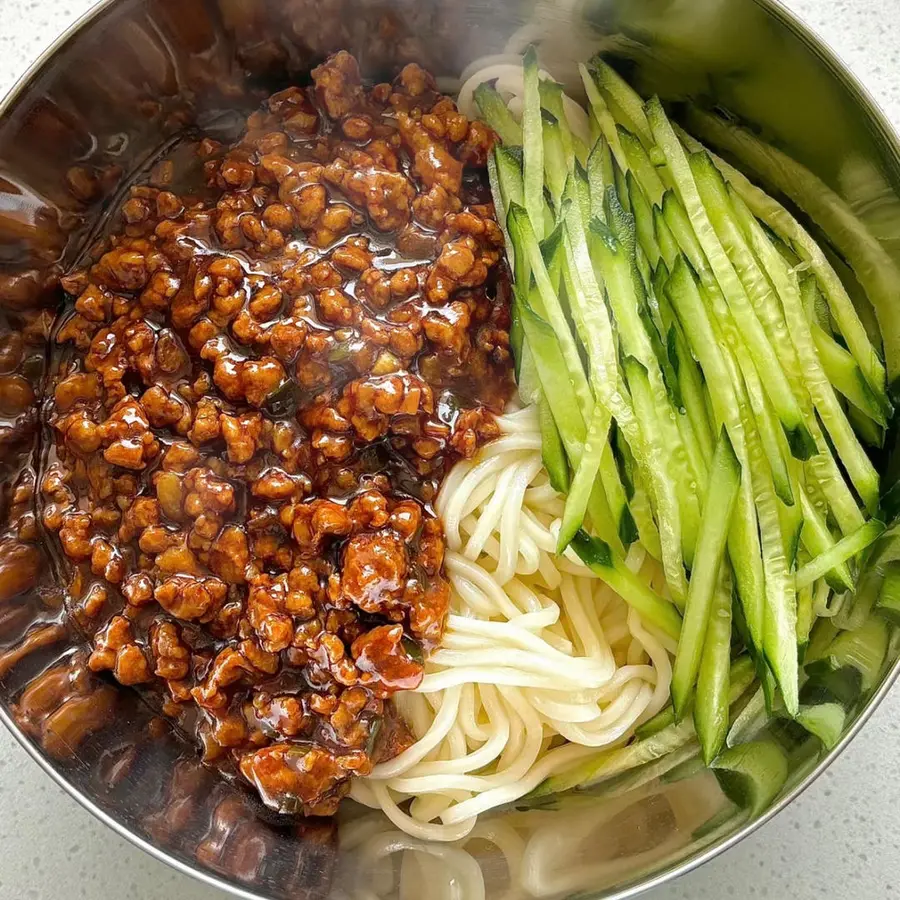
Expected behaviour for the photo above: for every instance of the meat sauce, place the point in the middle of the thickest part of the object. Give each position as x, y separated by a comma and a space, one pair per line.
262, 378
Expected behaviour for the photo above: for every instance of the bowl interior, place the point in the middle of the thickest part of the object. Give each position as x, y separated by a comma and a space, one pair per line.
95, 114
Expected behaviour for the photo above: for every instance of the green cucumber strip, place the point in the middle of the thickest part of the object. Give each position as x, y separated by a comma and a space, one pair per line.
703, 194
556, 163
642, 167
779, 644
668, 246
508, 161
841, 368
876, 271
870, 433
820, 640
711, 703
554, 378
586, 474
805, 615
639, 509
533, 144
752, 775
611, 569
818, 540
552, 93
668, 515
844, 550
495, 112
525, 241
612, 254
626, 105
749, 721
822, 466
554, 255
826, 721
862, 472
606, 124
888, 603
697, 193
743, 540
643, 220
664, 740
722, 492
863, 650
600, 175
553, 453
499, 201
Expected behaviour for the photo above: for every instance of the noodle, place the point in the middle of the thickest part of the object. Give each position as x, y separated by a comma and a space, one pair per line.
536, 649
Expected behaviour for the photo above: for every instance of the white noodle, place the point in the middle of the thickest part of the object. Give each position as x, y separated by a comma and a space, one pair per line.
536, 649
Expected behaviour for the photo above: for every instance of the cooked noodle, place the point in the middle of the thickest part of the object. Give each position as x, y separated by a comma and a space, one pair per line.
541, 662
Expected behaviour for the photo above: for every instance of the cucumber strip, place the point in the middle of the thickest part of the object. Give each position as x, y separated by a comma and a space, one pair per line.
639, 508
779, 644
643, 221
642, 167
748, 294
749, 721
496, 113
554, 256
611, 569
665, 740
859, 467
863, 650
554, 378
626, 105
668, 514
805, 616
533, 144
600, 175
556, 162
743, 539
500, 203
845, 549
585, 476
822, 465
668, 246
826, 721
621, 188
553, 453
693, 189
711, 704
888, 603
612, 254
817, 539
525, 241
876, 271
840, 367
870, 433
752, 775
606, 124
724, 481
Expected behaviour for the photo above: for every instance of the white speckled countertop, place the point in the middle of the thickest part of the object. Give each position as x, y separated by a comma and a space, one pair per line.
840, 840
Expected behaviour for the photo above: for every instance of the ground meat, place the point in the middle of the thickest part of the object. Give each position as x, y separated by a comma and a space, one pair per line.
266, 377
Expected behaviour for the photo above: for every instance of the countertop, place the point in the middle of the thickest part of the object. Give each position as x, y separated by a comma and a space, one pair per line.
841, 839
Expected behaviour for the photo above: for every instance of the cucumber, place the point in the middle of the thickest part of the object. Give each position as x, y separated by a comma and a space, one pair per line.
724, 481
642, 167
624, 103
859, 467
817, 539
752, 775
553, 453
525, 244
585, 475
888, 603
844, 550
495, 112
603, 118
862, 650
533, 145
600, 559
711, 703
704, 198
826, 721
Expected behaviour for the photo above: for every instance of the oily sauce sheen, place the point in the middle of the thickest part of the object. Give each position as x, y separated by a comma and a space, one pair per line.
261, 386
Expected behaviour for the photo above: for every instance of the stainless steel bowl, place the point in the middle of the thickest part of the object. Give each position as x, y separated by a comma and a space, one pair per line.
125, 81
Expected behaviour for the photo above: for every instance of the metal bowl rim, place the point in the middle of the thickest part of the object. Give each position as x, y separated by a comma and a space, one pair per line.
826, 54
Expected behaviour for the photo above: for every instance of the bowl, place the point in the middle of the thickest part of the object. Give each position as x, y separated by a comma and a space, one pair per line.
93, 113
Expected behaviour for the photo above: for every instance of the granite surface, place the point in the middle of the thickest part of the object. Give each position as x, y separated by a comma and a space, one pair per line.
840, 840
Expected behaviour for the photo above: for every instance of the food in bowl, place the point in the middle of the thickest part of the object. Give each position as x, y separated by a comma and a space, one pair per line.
305, 512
